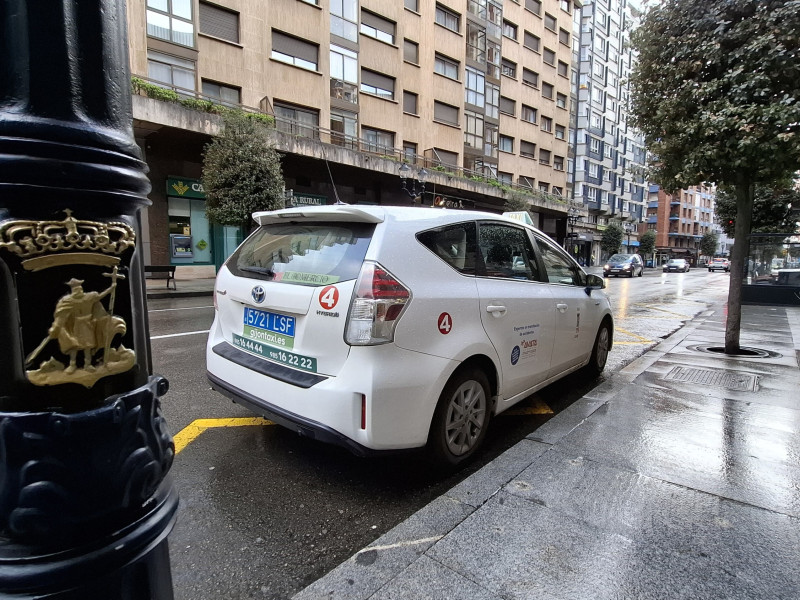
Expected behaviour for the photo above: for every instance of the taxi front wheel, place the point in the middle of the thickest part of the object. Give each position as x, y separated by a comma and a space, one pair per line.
602, 345
461, 418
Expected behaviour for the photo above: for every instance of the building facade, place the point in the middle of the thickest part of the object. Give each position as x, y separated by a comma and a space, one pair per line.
475, 92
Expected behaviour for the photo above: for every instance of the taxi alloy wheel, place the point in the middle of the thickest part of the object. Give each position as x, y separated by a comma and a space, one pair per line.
602, 345
461, 418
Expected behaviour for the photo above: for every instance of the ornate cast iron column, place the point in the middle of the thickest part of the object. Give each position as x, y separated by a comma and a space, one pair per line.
86, 502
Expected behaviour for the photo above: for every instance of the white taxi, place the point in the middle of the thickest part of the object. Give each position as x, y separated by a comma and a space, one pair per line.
385, 328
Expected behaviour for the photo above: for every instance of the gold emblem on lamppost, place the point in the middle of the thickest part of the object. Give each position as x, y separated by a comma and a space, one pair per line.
84, 327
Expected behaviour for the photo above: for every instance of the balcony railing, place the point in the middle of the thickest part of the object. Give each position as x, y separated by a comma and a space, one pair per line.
195, 100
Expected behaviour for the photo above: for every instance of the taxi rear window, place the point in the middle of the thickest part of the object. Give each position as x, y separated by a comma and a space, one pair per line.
312, 254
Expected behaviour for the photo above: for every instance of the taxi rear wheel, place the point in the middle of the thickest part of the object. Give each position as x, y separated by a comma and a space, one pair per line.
461, 418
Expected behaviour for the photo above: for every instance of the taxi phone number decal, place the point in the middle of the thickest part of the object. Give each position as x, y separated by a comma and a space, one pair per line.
305, 363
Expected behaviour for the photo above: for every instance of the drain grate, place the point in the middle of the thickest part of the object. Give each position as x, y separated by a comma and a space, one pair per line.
743, 382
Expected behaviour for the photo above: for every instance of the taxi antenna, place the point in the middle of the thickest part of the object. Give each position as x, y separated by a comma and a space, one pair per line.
330, 175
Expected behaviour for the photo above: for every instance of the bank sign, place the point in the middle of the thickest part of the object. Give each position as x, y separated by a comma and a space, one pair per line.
185, 188
300, 199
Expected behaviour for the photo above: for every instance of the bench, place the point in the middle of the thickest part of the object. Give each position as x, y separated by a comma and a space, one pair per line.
168, 269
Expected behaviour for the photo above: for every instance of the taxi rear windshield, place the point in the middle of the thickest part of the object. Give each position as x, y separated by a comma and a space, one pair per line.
312, 254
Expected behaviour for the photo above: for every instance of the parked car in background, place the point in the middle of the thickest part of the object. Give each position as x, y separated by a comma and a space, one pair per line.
624, 264
719, 264
679, 265
383, 328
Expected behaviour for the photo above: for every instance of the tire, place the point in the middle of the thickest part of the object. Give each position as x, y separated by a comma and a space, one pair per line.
602, 343
461, 418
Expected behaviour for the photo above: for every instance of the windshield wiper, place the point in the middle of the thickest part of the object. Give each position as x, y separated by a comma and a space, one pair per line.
261, 270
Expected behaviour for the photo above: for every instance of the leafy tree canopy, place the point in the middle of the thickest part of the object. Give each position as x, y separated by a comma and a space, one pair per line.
647, 242
772, 208
241, 173
716, 90
612, 238
709, 243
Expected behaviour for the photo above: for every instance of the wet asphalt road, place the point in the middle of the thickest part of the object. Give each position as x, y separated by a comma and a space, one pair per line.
264, 513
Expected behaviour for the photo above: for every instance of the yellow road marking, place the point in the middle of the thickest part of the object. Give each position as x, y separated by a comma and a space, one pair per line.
538, 408
189, 433
633, 335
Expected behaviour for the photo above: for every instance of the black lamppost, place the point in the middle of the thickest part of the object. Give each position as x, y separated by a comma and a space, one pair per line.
86, 501
573, 217
417, 189
629, 227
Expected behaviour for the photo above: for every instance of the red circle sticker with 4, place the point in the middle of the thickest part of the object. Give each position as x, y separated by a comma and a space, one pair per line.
328, 297
445, 323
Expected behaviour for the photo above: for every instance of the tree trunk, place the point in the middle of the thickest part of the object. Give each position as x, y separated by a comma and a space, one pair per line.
739, 254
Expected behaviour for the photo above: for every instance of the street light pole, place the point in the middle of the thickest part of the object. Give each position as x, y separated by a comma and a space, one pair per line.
86, 501
573, 217
418, 178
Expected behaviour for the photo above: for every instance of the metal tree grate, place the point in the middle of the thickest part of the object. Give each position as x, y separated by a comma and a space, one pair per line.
744, 382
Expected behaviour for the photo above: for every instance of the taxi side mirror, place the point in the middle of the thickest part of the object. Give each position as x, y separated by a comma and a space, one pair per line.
594, 282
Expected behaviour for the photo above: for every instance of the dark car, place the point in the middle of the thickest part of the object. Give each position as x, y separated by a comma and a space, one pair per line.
624, 264
676, 265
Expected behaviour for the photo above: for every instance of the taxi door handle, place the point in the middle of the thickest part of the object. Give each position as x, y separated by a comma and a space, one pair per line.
562, 307
496, 310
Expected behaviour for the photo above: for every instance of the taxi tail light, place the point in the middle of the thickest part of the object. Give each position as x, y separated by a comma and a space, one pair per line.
376, 308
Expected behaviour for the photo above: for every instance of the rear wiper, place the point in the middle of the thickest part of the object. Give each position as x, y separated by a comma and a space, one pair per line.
261, 270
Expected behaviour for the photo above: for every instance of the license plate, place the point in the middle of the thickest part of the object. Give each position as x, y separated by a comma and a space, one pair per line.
304, 363
269, 328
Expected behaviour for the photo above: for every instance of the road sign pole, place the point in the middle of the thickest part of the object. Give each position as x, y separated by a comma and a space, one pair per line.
86, 501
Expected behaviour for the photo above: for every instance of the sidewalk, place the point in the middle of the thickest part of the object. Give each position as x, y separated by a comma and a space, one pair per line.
157, 288
677, 478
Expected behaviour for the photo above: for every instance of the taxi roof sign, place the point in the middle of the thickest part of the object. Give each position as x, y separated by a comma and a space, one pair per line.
520, 215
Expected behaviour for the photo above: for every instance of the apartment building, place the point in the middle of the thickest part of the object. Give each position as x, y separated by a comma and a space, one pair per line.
472, 95
680, 220
608, 151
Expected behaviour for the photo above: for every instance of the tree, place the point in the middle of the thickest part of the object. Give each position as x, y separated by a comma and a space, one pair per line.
772, 208
709, 243
715, 93
241, 173
612, 238
647, 243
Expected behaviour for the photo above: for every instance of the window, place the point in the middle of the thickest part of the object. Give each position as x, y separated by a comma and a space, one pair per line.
535, 6
377, 140
172, 71
223, 94
593, 169
507, 252
445, 157
219, 22
547, 124
558, 163
294, 51
591, 193
171, 20
411, 5
563, 36
411, 52
557, 191
550, 22
549, 57
454, 244
594, 145
447, 18
530, 77
527, 149
506, 143
344, 126
508, 68
490, 140
557, 265
596, 120
492, 100
445, 113
296, 120
544, 187
410, 152
561, 100
410, 102
477, 8
547, 90
475, 87
566, 5
344, 19
378, 84
508, 106
560, 132
494, 17
445, 66
509, 30
598, 69
377, 27
597, 95
492, 59
531, 41
473, 129
563, 69
526, 181
344, 74
544, 156
528, 114
476, 42
505, 178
